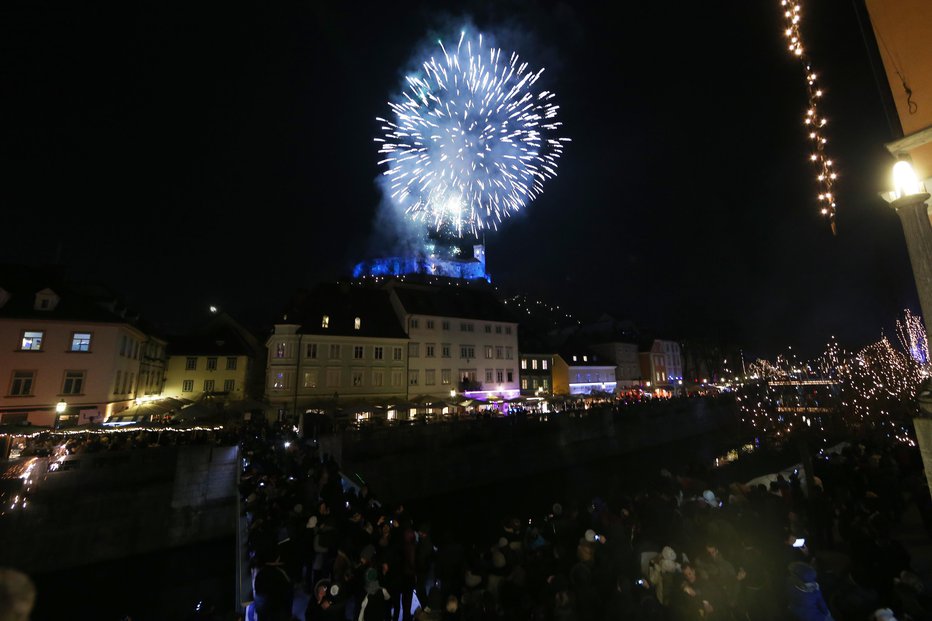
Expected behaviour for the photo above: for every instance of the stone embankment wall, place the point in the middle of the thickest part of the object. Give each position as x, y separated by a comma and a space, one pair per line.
111, 505
422, 460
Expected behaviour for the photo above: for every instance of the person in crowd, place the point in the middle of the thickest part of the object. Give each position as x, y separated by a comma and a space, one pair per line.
804, 597
17, 595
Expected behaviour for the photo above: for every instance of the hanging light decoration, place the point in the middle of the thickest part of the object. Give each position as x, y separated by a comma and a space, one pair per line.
814, 122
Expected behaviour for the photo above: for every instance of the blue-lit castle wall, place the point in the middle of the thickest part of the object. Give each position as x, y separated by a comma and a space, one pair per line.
466, 269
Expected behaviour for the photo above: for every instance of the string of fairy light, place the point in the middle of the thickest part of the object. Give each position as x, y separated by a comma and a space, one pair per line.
871, 388
813, 120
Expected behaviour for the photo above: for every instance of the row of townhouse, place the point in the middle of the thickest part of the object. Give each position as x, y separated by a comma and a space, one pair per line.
399, 341
363, 343
71, 354
616, 368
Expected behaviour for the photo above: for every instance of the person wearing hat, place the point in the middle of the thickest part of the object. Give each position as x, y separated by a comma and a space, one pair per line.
803, 595
374, 606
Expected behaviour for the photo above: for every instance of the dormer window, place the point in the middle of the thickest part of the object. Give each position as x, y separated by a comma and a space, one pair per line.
46, 300
325, 321
357, 323
574, 358
585, 358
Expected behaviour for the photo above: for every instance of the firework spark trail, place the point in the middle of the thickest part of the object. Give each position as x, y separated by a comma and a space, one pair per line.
470, 142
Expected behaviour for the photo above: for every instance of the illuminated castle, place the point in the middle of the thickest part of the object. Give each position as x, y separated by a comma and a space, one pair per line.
444, 262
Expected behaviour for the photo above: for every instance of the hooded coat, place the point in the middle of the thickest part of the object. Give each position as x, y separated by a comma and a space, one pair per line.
804, 597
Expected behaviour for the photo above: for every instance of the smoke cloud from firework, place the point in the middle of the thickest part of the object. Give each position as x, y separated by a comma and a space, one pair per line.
470, 141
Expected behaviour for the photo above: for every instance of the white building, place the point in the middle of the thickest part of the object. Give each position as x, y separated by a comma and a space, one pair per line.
461, 339
588, 374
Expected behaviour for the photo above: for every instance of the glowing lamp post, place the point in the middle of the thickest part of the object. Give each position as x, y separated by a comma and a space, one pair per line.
910, 204
909, 201
60, 408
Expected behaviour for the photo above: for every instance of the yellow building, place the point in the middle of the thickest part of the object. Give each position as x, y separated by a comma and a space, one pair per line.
221, 359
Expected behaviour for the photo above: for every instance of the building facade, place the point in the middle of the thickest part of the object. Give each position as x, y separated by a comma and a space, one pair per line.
460, 341
537, 375
221, 358
588, 374
625, 358
66, 357
344, 343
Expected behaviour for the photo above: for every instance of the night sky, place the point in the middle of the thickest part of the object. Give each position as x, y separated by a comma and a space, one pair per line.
194, 154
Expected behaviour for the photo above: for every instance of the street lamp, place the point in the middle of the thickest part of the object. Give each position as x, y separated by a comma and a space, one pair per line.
60, 407
909, 201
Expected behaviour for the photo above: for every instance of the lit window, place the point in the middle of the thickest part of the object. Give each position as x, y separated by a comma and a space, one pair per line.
574, 358
310, 378
281, 351
524, 363
543, 364
32, 341
80, 341
585, 358
357, 323
534, 364
357, 377
325, 321
523, 383
445, 375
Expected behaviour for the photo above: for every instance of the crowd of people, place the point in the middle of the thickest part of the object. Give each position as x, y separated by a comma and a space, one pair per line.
793, 548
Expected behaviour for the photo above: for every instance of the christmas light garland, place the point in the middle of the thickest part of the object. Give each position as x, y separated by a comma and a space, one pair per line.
815, 123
